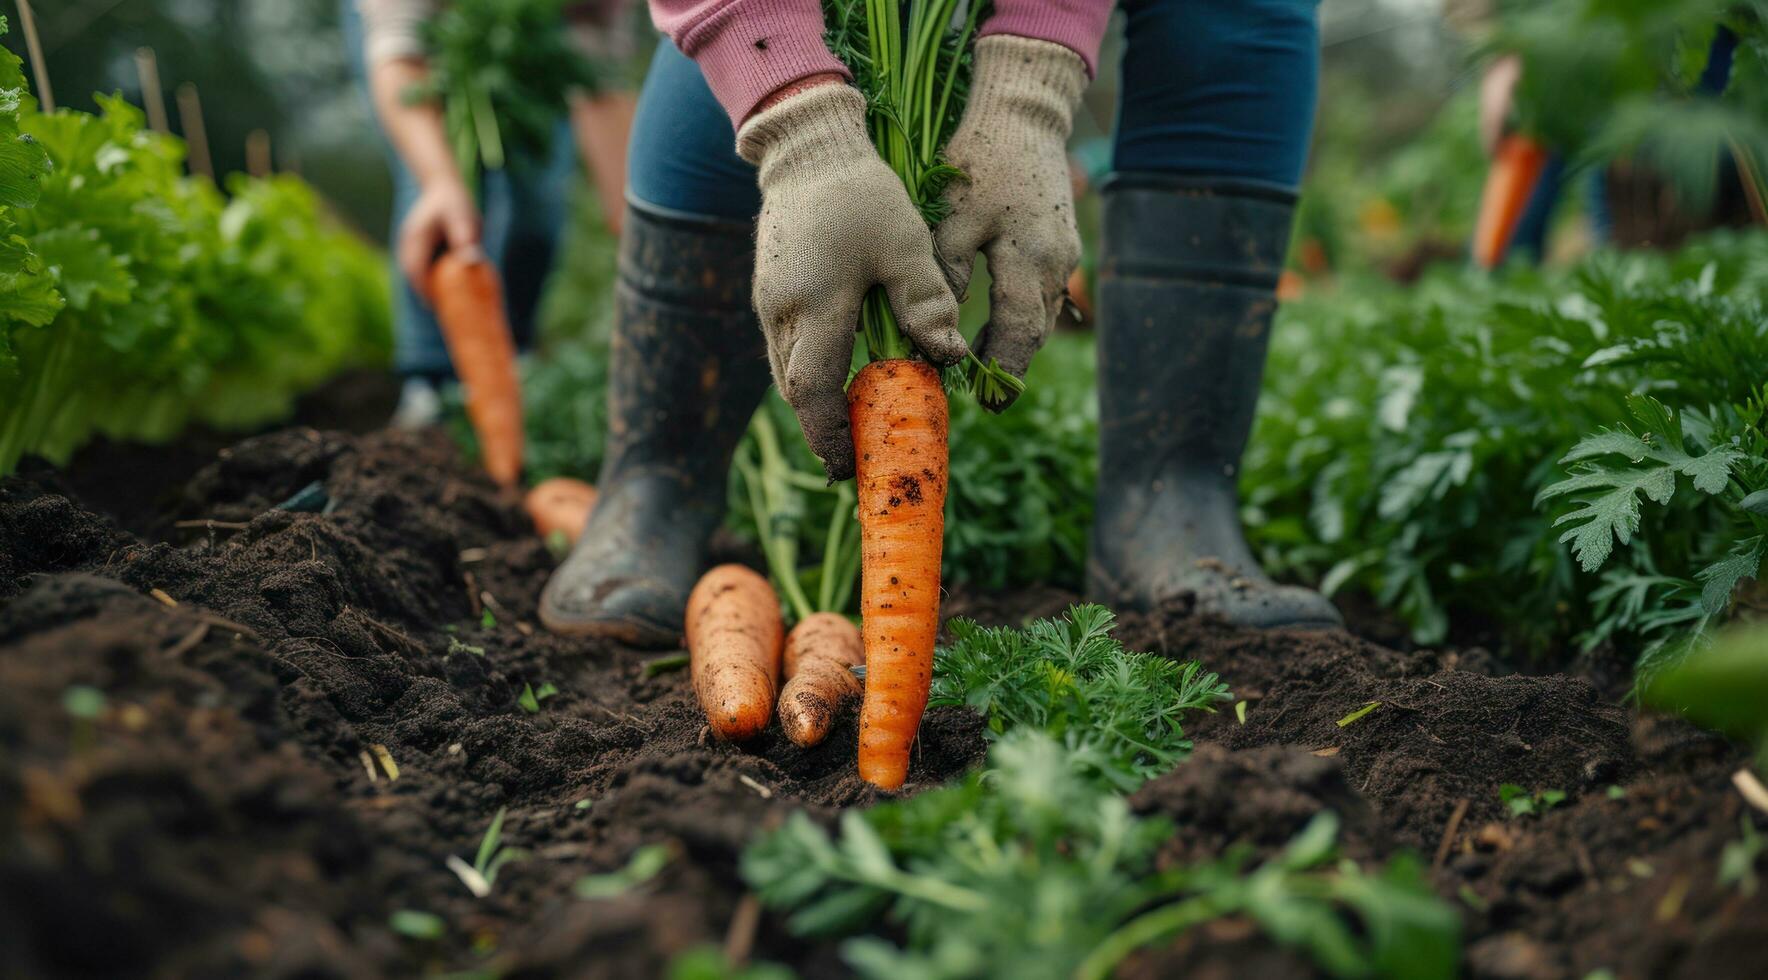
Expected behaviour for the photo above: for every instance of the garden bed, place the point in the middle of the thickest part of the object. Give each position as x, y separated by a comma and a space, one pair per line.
226, 807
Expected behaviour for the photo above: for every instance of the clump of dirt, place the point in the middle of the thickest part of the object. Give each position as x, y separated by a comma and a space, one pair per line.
229, 810
1623, 876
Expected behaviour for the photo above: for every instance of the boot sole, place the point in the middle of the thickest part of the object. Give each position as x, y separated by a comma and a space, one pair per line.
636, 633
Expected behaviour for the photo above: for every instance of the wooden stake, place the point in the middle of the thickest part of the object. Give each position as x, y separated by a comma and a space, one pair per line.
190, 117
258, 153
45, 94
147, 67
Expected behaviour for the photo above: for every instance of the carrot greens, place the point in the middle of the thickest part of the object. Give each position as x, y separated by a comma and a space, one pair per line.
912, 60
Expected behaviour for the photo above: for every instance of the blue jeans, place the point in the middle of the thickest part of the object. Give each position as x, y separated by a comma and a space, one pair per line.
524, 210
1211, 88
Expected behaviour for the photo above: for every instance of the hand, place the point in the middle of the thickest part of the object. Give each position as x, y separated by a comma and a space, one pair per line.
1015, 202
835, 221
444, 214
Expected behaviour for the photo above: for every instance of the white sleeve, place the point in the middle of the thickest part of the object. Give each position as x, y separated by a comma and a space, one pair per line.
393, 28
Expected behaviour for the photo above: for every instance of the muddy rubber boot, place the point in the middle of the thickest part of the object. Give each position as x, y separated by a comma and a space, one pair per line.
1187, 287
686, 371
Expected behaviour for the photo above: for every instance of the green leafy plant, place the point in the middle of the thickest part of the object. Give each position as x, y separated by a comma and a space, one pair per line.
134, 299
502, 70
1523, 803
1721, 684
1038, 870
531, 697
1115, 712
492, 856
1404, 434
646, 863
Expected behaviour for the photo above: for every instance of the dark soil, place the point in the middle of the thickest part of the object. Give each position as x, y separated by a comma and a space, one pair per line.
224, 813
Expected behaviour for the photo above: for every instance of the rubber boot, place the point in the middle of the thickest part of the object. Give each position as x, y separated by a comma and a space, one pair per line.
687, 369
1187, 288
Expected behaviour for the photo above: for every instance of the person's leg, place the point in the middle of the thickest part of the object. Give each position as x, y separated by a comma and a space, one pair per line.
1218, 106
687, 368
525, 209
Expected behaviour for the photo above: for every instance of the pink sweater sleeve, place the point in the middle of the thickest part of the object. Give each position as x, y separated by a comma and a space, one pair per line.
749, 48
1078, 25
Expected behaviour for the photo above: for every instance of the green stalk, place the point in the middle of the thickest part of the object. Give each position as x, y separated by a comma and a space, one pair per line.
1144, 929
771, 498
485, 124
833, 542
908, 110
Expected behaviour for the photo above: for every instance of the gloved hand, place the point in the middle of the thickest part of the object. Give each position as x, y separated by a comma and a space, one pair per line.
1015, 203
835, 221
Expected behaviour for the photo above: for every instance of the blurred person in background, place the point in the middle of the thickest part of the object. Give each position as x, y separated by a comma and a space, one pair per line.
515, 214
1558, 170
759, 214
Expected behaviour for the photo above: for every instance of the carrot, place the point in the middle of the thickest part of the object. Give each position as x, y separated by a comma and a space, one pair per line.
898, 413
560, 505
819, 652
469, 306
1516, 169
734, 636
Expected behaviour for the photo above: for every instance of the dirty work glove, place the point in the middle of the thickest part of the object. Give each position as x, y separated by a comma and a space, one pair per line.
1015, 203
835, 221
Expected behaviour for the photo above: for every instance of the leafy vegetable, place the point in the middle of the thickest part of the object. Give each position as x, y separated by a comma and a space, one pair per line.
134, 300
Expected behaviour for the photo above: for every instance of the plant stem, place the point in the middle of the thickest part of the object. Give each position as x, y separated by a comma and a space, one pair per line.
1144, 929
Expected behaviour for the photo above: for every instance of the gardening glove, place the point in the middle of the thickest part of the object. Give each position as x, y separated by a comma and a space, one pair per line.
1015, 203
835, 221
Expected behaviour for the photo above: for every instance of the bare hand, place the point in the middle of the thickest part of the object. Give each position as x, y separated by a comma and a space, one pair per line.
443, 215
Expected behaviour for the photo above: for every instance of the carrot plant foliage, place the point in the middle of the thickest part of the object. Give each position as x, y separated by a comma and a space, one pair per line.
1566, 455
1117, 713
1036, 868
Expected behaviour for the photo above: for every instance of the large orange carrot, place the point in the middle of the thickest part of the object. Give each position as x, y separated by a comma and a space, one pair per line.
820, 651
561, 504
897, 409
469, 306
734, 636
1516, 169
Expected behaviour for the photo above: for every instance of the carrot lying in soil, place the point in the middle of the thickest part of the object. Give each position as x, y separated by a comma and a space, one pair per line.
734, 636
561, 505
819, 652
469, 306
898, 412
1516, 169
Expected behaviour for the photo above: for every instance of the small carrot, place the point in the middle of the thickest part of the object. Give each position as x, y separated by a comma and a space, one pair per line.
469, 306
898, 413
562, 505
734, 635
1516, 169
819, 652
